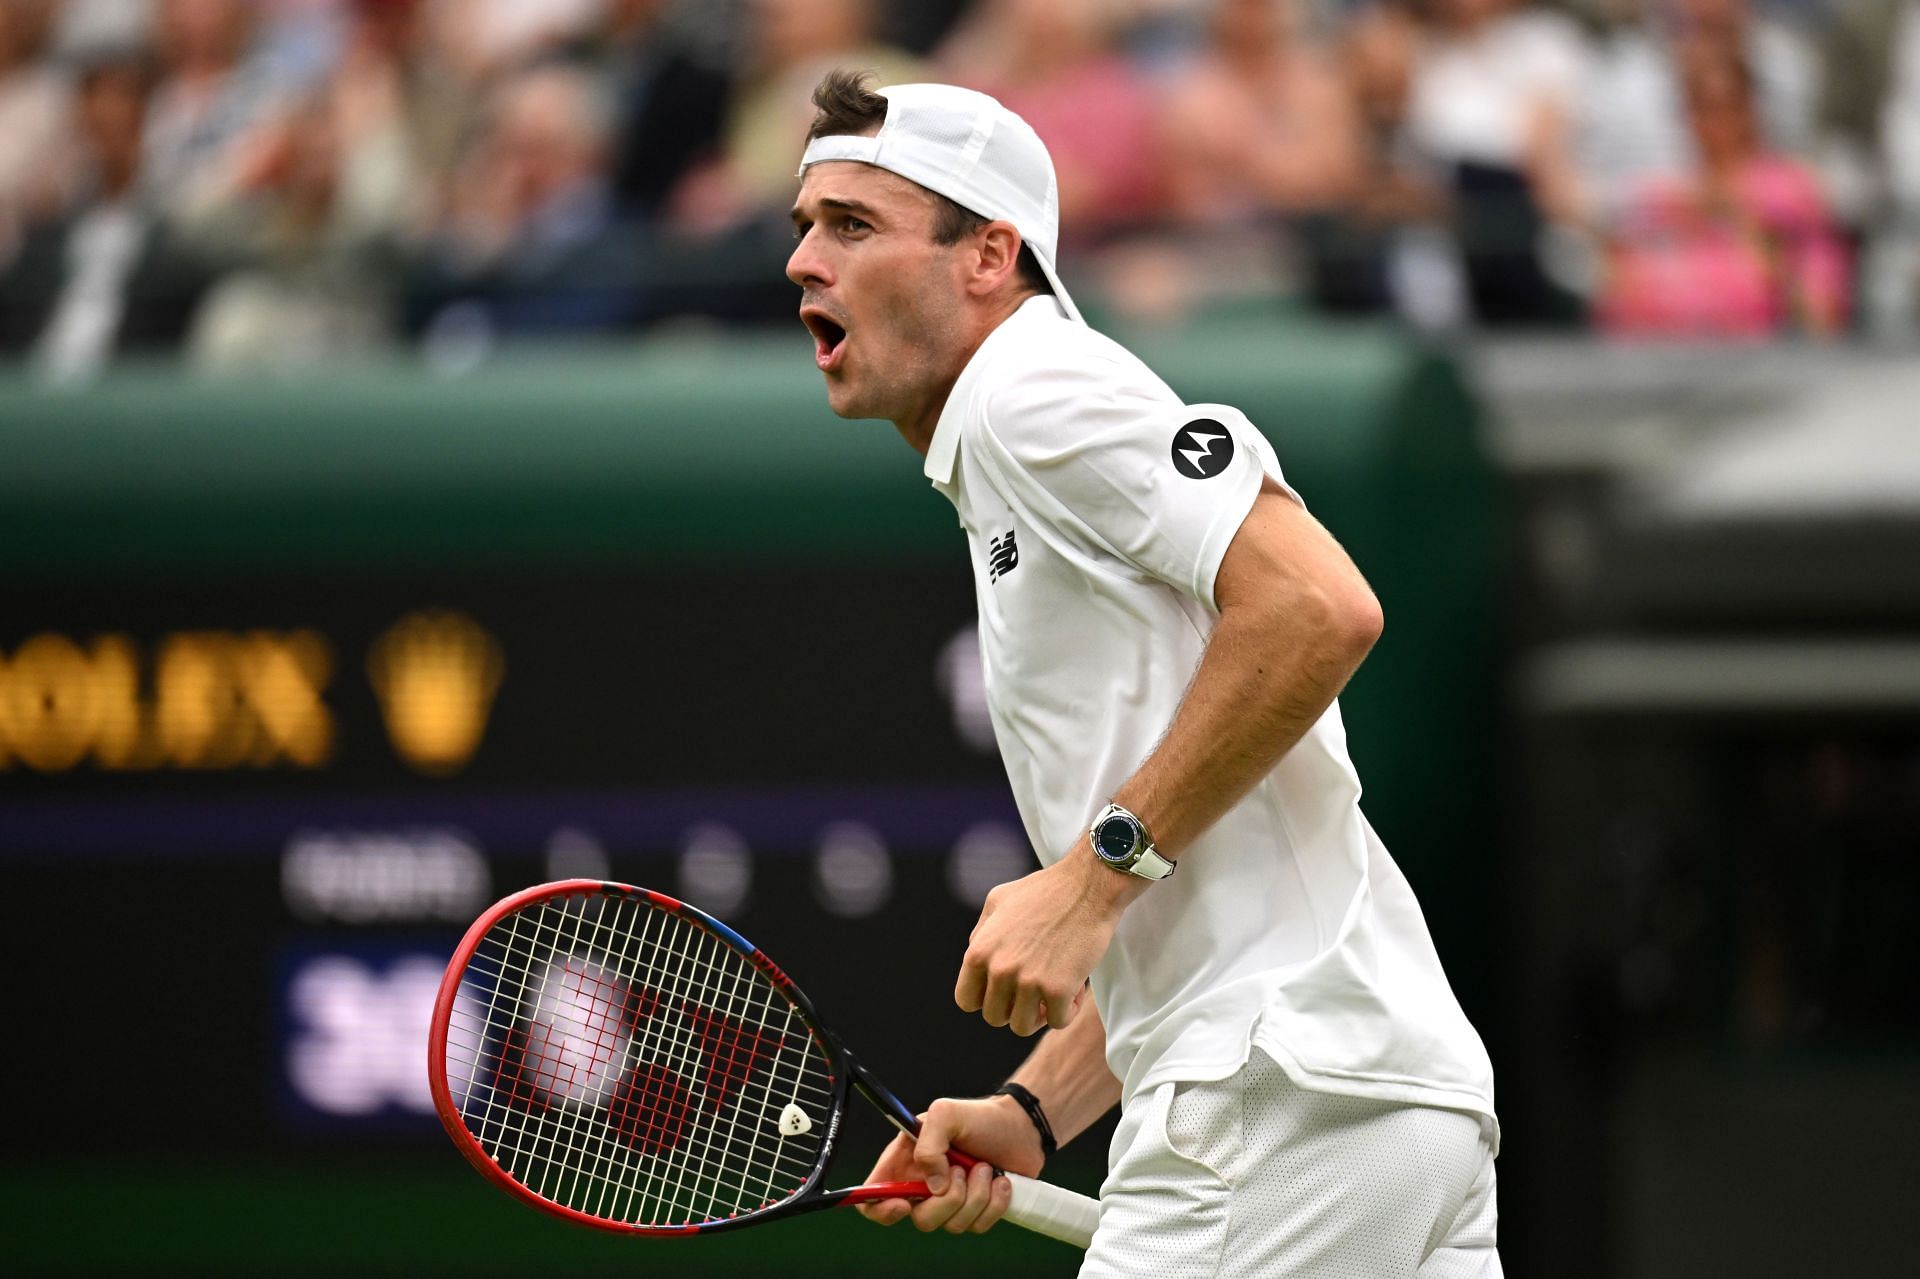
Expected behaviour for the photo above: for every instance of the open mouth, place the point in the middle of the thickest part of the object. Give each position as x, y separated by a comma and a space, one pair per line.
829, 338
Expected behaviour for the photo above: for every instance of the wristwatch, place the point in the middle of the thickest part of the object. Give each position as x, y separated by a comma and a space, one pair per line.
1121, 841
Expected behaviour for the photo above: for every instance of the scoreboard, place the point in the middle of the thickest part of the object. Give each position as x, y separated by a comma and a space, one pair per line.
265, 811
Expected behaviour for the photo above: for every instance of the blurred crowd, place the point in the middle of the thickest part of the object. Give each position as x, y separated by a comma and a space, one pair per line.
279, 183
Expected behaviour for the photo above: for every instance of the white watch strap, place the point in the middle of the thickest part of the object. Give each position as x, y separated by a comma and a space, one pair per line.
1151, 865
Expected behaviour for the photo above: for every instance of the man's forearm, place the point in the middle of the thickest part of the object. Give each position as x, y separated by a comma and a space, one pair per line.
1067, 1073
1272, 667
1250, 702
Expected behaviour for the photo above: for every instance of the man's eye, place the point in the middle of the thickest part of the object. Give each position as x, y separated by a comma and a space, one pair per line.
800, 230
855, 224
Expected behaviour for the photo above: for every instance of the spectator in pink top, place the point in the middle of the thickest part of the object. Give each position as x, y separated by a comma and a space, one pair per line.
1743, 247
1259, 121
1266, 161
1058, 64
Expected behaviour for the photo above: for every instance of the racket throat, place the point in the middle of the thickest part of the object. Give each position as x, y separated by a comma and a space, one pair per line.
896, 1111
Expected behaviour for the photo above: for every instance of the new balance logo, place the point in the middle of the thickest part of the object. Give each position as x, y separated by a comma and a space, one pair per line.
1002, 556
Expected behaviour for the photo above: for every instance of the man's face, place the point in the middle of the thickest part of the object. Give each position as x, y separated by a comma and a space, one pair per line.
882, 300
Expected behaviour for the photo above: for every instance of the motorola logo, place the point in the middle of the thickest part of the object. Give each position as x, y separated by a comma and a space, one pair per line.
1201, 449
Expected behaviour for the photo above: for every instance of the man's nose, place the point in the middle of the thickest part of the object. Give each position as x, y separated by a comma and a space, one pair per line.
806, 266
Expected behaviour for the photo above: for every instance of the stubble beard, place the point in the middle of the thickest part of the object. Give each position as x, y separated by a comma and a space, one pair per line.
926, 330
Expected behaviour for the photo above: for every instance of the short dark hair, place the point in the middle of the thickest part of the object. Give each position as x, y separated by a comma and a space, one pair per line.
845, 102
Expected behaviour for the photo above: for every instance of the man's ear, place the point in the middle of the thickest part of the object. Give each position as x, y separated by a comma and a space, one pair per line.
998, 260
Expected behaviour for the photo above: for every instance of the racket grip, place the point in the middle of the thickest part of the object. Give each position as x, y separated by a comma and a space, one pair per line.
1048, 1210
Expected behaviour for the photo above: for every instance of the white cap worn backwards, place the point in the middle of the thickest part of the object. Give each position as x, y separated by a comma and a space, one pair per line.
966, 146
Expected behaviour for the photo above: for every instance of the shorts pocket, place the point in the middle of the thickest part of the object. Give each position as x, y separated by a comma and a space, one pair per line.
1205, 1124
1162, 1212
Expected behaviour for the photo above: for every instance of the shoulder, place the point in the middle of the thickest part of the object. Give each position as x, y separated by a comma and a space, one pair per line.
1065, 386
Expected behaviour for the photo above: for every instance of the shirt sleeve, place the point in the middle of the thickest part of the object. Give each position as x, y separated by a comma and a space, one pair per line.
1156, 483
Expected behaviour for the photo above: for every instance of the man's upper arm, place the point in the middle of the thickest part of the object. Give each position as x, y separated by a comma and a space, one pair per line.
1283, 560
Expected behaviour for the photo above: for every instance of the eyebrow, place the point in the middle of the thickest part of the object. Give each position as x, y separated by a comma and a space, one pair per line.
833, 202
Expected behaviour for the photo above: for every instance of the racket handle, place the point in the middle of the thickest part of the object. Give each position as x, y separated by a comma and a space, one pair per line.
1046, 1209
1039, 1206
1043, 1207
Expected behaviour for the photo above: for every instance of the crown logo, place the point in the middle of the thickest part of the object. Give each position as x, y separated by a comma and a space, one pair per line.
435, 674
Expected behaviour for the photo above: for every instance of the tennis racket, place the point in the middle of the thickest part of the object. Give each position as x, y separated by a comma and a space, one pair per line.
624, 1060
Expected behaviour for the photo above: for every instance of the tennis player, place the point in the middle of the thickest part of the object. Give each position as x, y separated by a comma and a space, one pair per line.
1164, 629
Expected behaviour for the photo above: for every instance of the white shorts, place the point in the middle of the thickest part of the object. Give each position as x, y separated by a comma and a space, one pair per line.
1252, 1176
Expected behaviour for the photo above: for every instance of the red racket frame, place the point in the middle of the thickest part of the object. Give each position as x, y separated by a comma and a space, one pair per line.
845, 1072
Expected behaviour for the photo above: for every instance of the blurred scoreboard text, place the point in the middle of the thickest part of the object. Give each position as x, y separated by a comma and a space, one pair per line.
260, 813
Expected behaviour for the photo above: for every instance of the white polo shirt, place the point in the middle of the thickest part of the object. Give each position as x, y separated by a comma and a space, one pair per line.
1097, 507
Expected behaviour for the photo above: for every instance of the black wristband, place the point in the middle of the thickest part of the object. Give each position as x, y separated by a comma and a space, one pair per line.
1031, 1104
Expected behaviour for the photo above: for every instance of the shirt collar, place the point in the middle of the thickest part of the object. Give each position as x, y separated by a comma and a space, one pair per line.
945, 445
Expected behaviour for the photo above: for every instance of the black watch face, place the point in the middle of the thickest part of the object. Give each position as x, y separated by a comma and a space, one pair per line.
1114, 839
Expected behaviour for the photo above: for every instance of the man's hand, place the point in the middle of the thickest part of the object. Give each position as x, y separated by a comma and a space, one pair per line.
994, 1129
1039, 938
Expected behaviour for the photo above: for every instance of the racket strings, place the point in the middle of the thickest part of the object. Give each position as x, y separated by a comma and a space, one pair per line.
620, 1060
650, 1109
